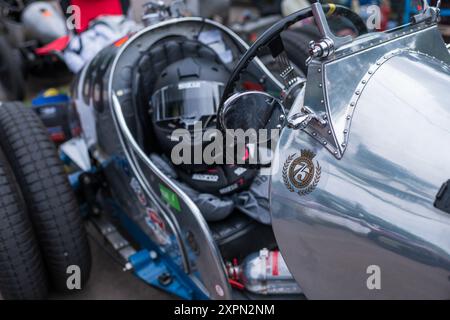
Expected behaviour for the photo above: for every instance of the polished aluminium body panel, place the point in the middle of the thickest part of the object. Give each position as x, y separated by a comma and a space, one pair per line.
387, 106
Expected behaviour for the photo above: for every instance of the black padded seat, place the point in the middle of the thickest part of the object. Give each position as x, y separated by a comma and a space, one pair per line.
239, 235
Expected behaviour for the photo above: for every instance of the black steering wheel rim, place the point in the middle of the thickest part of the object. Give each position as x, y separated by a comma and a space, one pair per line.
274, 32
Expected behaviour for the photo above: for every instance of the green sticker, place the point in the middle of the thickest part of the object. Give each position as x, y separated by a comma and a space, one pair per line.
170, 197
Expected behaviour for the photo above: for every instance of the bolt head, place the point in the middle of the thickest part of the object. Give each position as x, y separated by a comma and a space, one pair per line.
153, 255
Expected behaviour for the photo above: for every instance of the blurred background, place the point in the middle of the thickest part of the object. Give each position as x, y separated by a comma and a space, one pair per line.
249, 18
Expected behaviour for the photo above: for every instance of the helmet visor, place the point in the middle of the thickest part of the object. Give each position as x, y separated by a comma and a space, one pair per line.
187, 100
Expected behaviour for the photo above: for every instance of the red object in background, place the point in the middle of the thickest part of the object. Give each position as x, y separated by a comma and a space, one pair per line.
56, 46
385, 13
235, 284
253, 86
121, 41
275, 270
58, 137
246, 155
91, 9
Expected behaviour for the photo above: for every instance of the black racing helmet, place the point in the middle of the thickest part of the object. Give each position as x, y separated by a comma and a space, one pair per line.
188, 91
187, 94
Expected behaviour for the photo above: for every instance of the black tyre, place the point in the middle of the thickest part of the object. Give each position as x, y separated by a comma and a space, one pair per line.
12, 82
50, 200
22, 271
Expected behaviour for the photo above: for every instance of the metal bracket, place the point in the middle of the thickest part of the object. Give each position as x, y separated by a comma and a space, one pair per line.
329, 42
151, 268
300, 121
288, 74
293, 82
114, 238
429, 14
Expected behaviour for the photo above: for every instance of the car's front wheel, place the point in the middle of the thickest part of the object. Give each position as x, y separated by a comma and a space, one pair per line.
22, 272
51, 203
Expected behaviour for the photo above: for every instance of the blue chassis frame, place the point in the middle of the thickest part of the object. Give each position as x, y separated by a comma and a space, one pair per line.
149, 268
147, 265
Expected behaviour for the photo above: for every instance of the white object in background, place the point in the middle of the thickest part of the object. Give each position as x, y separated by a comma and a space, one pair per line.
214, 40
102, 32
43, 22
290, 6
76, 149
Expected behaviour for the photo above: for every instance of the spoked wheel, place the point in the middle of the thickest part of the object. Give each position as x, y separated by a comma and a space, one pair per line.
51, 204
22, 272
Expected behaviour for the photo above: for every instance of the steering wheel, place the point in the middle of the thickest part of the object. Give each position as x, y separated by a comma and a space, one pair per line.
271, 38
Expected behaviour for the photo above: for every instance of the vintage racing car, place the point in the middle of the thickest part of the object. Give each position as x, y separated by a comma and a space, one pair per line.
358, 196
